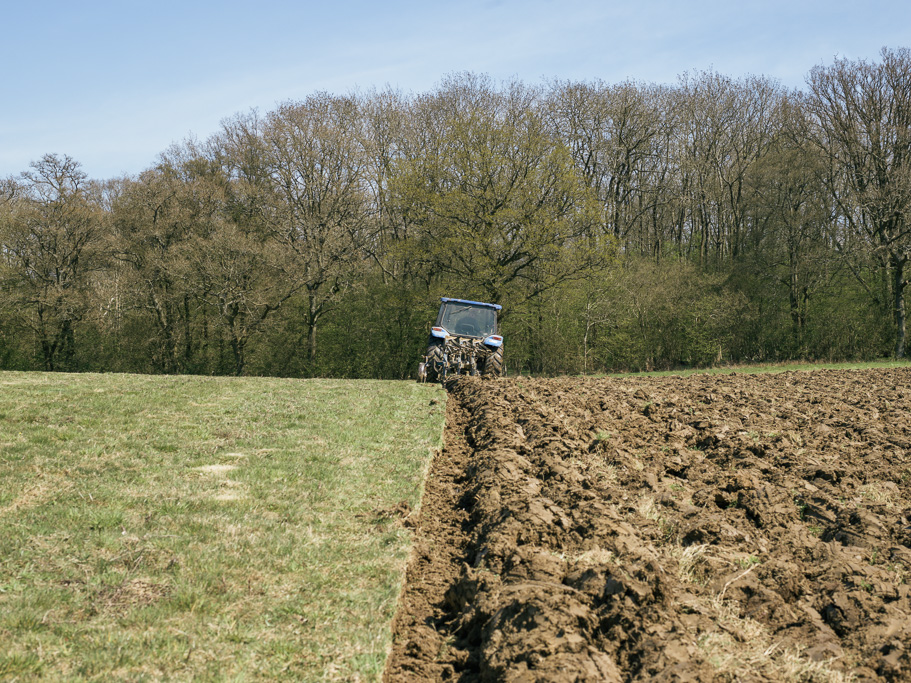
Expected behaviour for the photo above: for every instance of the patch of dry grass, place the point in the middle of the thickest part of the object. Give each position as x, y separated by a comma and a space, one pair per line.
743, 649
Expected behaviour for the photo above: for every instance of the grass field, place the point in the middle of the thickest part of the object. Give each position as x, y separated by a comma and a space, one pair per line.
205, 528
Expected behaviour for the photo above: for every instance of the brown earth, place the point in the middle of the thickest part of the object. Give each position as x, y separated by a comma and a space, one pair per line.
724, 527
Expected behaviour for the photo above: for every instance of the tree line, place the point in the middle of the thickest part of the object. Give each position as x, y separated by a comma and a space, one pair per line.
621, 226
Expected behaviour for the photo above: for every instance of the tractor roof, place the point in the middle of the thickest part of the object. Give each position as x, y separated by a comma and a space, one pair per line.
446, 299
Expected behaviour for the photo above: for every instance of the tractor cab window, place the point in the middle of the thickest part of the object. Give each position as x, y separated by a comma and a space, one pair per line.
467, 320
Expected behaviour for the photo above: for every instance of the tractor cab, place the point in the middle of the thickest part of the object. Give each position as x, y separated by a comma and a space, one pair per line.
467, 318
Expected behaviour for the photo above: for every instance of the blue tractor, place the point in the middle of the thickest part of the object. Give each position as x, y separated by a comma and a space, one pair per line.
465, 340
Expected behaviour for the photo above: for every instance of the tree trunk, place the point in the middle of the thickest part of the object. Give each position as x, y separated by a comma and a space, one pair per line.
163, 319
48, 347
67, 346
898, 302
238, 343
313, 314
237, 348
311, 342
187, 335
797, 317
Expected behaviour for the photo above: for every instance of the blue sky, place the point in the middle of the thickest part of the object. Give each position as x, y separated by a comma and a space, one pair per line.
113, 84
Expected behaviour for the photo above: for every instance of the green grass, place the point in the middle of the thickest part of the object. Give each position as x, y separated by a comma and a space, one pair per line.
176, 528
768, 367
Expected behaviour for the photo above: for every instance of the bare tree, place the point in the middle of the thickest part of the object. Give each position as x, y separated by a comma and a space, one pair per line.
617, 138
156, 217
386, 134
52, 239
791, 239
724, 127
314, 160
243, 277
862, 112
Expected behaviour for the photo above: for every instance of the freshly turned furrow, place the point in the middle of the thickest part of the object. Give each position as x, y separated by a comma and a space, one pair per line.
419, 646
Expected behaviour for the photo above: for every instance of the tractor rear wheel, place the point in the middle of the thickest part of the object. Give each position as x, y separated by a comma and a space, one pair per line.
435, 366
493, 364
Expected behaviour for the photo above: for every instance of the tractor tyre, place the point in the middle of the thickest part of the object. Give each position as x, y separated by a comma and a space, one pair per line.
435, 366
493, 364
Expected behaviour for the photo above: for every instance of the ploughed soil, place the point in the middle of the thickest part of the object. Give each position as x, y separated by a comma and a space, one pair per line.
713, 527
